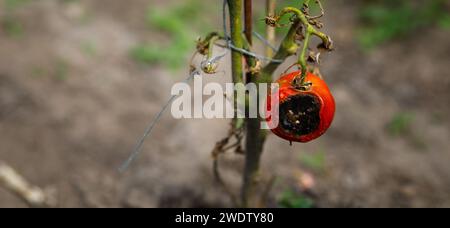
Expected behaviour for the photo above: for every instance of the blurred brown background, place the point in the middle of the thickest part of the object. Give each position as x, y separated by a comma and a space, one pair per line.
80, 79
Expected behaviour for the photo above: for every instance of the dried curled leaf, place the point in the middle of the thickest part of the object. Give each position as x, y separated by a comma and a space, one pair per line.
316, 23
202, 46
314, 57
256, 69
272, 20
327, 45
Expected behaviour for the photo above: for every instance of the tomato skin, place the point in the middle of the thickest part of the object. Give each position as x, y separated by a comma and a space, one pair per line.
318, 90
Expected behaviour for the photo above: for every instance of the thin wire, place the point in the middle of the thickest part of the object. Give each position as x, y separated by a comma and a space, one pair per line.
224, 20
266, 42
260, 57
138, 148
243, 51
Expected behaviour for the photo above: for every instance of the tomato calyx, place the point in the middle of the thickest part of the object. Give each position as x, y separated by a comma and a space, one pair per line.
298, 82
306, 86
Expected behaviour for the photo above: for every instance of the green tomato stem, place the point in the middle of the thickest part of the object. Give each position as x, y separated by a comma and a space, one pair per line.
212, 41
302, 56
309, 30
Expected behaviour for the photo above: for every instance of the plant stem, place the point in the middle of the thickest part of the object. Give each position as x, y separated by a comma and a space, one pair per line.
309, 28
270, 31
236, 22
248, 20
255, 137
287, 48
211, 46
235, 7
302, 57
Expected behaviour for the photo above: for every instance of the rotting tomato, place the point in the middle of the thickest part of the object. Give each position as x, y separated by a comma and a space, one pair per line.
304, 114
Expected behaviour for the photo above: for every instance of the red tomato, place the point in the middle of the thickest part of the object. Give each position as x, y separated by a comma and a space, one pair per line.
304, 114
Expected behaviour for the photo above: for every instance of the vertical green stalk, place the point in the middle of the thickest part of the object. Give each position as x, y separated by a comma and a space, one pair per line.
235, 7
302, 57
255, 137
236, 22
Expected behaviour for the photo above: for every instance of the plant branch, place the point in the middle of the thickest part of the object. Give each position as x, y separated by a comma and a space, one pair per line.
255, 137
310, 30
302, 57
248, 20
287, 48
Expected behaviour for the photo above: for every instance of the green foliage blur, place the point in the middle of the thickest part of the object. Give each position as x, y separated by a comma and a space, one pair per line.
385, 20
12, 27
13, 4
315, 161
400, 124
182, 24
292, 199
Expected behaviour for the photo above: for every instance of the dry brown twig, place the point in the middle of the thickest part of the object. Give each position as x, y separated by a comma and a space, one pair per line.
12, 181
221, 147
